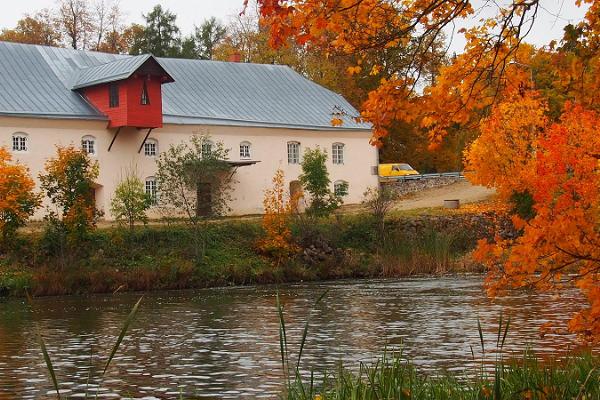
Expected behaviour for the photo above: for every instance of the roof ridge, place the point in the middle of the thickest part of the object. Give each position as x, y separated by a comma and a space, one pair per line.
125, 57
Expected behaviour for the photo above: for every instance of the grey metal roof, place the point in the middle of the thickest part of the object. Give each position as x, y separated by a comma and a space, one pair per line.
37, 81
117, 70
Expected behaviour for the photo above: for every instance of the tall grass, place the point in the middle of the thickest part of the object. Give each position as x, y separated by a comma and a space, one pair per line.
432, 252
394, 377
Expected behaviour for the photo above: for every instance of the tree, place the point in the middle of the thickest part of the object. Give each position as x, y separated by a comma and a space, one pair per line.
279, 208
533, 108
161, 34
39, 28
414, 28
208, 36
560, 241
76, 22
131, 200
315, 181
17, 198
131, 41
194, 180
68, 182
107, 26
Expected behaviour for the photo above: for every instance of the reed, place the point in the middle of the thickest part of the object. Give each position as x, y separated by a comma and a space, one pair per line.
115, 348
394, 377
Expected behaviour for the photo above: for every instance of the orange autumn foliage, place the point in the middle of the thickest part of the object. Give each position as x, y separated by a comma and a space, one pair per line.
534, 110
279, 208
69, 184
560, 244
504, 152
17, 198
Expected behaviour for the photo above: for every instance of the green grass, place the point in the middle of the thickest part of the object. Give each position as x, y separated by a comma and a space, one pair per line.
392, 377
166, 257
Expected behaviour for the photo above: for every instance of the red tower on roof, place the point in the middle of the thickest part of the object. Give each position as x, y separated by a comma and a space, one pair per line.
128, 90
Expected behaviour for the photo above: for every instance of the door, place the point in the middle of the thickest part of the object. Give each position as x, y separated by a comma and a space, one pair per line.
203, 200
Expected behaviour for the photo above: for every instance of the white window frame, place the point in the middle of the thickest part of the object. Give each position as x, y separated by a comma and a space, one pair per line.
151, 188
293, 152
147, 144
338, 183
86, 148
20, 142
337, 153
245, 150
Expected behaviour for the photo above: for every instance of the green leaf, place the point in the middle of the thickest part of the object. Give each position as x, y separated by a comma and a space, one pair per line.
128, 322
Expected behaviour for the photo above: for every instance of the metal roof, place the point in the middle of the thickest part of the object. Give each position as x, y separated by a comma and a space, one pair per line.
113, 71
37, 81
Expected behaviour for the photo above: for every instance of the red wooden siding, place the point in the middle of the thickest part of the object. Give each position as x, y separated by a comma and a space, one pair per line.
130, 112
138, 114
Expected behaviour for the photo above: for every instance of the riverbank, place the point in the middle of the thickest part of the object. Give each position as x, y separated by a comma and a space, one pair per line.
159, 257
393, 377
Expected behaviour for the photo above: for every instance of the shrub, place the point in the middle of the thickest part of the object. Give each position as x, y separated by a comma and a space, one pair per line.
69, 184
131, 200
277, 241
17, 199
315, 181
379, 201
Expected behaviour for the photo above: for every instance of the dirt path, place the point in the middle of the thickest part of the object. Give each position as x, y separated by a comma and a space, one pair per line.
463, 191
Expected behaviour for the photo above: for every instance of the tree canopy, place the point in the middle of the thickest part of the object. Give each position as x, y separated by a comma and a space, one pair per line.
532, 112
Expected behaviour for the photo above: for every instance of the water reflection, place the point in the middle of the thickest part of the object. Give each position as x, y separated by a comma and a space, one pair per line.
223, 343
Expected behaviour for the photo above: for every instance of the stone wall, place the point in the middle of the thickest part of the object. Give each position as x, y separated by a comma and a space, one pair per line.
404, 188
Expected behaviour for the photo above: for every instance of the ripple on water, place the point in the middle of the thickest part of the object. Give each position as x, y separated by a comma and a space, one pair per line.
223, 343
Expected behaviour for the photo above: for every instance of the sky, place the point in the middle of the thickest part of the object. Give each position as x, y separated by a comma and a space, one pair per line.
554, 14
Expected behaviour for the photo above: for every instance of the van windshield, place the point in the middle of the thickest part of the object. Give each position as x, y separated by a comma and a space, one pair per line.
401, 167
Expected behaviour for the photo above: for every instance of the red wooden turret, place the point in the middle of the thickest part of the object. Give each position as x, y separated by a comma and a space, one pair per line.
128, 91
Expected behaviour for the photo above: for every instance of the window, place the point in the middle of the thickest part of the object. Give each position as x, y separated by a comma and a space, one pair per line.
152, 189
293, 149
207, 148
340, 188
145, 100
150, 148
245, 150
113, 95
88, 145
19, 142
337, 153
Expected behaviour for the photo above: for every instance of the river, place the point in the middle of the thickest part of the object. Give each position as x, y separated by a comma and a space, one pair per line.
223, 343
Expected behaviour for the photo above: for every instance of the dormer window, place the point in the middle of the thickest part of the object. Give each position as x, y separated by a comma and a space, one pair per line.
145, 100
113, 95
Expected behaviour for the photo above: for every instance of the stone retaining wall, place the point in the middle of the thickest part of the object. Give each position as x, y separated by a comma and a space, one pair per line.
404, 188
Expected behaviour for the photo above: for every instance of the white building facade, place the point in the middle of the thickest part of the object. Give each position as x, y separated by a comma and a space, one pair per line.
269, 121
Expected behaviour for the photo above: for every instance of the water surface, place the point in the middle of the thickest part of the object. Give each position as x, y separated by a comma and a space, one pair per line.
223, 343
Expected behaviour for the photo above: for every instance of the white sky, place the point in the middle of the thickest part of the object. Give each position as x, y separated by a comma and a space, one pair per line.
192, 12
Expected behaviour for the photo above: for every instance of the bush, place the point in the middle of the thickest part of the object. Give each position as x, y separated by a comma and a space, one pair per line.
17, 199
315, 181
131, 200
69, 184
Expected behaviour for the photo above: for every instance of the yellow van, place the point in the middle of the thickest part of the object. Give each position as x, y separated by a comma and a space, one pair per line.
399, 169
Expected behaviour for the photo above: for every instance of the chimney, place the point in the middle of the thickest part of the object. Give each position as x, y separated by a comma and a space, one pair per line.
235, 57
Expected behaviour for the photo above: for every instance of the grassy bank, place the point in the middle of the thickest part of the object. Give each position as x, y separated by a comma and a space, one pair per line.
167, 257
528, 377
